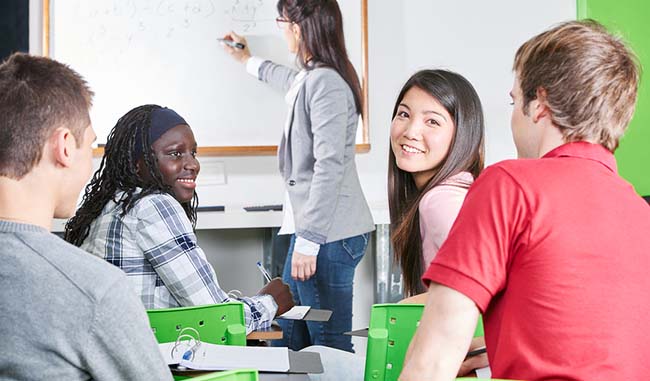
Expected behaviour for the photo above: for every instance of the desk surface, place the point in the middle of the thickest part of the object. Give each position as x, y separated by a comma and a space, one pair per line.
272, 333
235, 217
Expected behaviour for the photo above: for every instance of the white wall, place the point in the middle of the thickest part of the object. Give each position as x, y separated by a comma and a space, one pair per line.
475, 38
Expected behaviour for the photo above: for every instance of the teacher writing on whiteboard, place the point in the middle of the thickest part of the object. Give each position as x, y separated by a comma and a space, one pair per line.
325, 210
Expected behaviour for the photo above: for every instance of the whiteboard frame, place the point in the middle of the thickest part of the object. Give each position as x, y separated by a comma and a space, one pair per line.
362, 147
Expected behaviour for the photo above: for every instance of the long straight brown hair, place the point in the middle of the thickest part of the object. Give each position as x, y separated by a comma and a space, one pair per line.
466, 153
322, 41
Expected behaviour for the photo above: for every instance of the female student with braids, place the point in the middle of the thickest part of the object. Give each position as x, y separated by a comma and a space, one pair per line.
325, 209
139, 210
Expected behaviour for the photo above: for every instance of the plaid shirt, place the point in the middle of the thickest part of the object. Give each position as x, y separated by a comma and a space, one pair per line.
155, 246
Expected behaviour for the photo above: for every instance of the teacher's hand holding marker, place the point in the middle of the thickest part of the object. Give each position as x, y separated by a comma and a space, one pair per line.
326, 213
236, 46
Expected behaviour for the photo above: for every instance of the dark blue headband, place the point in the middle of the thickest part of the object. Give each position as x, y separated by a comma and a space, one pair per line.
162, 120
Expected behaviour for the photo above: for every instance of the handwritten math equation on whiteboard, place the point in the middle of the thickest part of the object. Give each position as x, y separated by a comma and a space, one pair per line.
128, 20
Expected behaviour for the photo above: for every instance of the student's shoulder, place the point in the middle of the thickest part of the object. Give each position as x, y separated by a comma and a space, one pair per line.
453, 188
157, 203
72, 269
442, 194
512, 174
516, 168
160, 211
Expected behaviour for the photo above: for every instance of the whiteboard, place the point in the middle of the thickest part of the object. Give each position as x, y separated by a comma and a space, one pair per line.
135, 52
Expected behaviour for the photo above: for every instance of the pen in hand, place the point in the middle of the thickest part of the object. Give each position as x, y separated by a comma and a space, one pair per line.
263, 271
231, 43
475, 352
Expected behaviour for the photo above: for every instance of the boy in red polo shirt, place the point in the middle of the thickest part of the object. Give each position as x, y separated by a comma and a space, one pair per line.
553, 250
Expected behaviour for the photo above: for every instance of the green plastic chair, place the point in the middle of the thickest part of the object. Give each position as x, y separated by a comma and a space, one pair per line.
231, 375
216, 323
392, 327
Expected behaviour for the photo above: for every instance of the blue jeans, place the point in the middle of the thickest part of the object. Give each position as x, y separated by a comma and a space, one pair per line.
330, 289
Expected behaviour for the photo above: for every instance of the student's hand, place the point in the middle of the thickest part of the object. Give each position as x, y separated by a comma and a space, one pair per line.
475, 362
241, 55
281, 294
303, 266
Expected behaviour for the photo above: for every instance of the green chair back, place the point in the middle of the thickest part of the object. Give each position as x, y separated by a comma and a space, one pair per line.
231, 375
216, 323
392, 327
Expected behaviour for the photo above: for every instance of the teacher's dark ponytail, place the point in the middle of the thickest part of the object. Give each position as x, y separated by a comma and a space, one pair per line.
322, 41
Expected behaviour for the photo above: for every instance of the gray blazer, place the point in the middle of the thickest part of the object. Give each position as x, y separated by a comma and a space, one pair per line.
317, 159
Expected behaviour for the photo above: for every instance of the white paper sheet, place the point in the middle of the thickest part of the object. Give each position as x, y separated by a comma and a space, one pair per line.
226, 357
296, 313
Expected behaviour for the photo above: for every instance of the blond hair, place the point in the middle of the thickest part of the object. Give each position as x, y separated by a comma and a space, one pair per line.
590, 78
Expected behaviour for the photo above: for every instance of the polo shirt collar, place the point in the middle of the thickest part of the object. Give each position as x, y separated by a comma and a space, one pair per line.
585, 150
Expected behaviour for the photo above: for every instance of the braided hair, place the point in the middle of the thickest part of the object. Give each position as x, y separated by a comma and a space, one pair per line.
118, 171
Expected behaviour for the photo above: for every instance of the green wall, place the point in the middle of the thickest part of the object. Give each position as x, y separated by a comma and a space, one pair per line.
630, 18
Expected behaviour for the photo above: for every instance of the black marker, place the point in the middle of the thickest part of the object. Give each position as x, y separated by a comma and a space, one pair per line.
231, 43
475, 352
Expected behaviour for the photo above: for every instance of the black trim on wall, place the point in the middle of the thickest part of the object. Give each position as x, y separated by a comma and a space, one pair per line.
14, 27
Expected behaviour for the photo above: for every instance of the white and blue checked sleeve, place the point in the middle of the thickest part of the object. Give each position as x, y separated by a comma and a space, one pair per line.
168, 242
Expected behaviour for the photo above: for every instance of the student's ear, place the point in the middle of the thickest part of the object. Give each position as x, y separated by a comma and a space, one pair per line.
141, 170
64, 145
539, 106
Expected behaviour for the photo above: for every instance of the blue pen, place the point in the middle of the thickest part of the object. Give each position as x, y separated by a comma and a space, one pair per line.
263, 271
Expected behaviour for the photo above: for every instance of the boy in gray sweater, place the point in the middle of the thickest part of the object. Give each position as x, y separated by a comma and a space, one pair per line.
64, 314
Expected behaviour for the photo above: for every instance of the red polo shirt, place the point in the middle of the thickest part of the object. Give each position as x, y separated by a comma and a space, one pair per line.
555, 252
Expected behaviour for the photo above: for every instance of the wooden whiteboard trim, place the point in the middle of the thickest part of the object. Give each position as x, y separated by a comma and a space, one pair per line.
364, 80
46, 28
239, 150
363, 147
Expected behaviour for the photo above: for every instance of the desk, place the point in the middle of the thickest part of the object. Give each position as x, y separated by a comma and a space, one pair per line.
235, 217
274, 332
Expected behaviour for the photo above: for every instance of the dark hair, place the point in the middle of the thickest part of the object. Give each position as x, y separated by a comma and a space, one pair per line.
118, 171
322, 41
37, 95
460, 99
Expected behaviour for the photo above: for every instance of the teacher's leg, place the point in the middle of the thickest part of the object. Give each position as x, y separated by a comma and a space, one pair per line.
335, 274
294, 332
